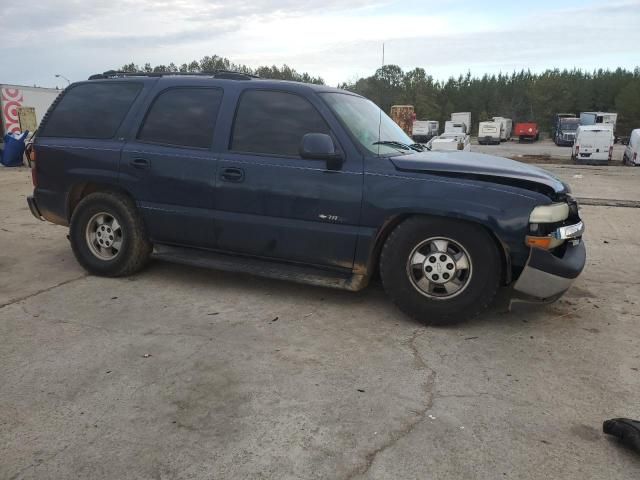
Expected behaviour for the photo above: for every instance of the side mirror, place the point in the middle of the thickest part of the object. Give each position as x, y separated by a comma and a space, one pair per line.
320, 146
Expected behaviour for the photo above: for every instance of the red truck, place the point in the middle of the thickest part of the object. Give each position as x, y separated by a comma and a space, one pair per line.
527, 131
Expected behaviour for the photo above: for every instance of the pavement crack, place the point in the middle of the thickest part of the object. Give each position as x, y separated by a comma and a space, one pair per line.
44, 290
420, 415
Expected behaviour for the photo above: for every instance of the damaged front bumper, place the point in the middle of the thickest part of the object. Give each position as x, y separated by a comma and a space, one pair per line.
546, 276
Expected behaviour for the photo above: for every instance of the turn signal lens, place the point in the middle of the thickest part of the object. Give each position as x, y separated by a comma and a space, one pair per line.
538, 242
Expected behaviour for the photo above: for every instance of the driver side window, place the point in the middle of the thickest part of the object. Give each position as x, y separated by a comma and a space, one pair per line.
273, 123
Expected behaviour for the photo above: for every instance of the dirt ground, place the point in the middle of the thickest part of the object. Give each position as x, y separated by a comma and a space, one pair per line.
184, 373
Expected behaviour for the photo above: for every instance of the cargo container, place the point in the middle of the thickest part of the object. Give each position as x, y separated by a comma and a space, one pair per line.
489, 133
464, 118
23, 107
404, 116
593, 145
527, 131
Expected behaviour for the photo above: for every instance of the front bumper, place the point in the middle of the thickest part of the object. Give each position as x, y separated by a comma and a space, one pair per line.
33, 206
546, 277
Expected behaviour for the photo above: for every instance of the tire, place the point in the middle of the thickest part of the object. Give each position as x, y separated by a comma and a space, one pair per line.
125, 246
480, 281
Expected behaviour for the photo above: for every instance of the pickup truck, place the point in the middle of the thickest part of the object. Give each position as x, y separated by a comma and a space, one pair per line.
299, 182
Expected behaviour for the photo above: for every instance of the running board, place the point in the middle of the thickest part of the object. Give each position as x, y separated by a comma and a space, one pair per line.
263, 268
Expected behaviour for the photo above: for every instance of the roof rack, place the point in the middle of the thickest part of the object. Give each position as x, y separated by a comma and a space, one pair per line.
225, 74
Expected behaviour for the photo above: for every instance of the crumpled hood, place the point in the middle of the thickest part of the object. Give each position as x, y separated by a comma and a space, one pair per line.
480, 166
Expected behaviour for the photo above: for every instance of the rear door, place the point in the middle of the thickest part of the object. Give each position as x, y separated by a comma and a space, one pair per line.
169, 167
272, 203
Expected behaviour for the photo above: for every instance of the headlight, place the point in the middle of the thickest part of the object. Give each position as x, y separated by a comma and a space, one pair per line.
556, 212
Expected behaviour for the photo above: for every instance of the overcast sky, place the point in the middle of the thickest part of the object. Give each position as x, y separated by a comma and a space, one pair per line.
339, 40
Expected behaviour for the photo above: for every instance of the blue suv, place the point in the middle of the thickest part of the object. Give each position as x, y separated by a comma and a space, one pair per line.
295, 181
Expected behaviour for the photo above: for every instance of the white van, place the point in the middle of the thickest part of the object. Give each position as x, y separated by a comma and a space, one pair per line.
489, 133
594, 144
506, 127
631, 156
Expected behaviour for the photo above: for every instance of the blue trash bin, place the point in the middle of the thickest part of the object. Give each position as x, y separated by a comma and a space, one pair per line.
13, 150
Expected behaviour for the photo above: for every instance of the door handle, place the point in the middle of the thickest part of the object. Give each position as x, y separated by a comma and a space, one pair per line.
232, 174
140, 163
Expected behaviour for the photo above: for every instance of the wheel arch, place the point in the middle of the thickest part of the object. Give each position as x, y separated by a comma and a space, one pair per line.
393, 222
81, 189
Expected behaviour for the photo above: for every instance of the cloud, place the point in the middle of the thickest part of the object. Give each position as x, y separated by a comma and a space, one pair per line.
335, 39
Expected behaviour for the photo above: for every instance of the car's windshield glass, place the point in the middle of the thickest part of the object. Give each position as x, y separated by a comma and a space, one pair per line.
370, 126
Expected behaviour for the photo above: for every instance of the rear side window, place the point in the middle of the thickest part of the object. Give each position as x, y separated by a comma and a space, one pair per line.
183, 117
274, 123
91, 110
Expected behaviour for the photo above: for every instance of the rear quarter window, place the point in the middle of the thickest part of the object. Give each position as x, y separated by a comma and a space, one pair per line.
91, 110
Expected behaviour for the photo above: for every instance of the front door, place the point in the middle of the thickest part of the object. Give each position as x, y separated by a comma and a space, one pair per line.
170, 169
272, 203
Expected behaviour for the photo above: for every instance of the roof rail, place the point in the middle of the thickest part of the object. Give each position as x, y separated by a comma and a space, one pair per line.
225, 74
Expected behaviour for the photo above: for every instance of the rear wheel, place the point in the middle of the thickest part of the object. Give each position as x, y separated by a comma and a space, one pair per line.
108, 236
440, 271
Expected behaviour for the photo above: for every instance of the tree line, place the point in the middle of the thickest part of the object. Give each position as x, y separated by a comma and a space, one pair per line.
211, 63
522, 96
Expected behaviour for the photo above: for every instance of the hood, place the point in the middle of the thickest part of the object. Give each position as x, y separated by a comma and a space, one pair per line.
482, 167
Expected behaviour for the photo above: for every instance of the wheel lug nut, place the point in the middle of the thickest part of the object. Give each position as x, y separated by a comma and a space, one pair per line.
432, 259
445, 276
443, 258
435, 277
449, 266
428, 269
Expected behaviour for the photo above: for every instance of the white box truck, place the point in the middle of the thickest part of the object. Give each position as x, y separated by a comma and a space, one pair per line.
631, 156
593, 144
464, 118
22, 107
506, 127
489, 133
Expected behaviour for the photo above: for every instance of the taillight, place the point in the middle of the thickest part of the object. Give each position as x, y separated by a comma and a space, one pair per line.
635, 157
610, 153
577, 150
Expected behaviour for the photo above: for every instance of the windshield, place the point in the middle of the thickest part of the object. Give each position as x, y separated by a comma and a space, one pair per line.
362, 118
570, 124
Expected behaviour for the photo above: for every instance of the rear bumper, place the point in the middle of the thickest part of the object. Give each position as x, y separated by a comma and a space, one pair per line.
33, 206
546, 277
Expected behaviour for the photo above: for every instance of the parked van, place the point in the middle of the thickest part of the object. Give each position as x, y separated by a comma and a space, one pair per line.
631, 156
425, 130
593, 145
489, 133
506, 127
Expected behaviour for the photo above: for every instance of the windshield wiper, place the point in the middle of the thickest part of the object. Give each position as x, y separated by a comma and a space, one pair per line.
392, 143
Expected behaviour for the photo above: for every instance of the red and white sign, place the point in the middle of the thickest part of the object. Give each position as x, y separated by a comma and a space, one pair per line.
11, 100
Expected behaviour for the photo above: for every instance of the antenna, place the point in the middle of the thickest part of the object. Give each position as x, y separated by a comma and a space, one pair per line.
380, 119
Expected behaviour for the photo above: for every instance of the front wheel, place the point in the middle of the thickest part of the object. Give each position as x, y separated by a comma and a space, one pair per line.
440, 271
108, 236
